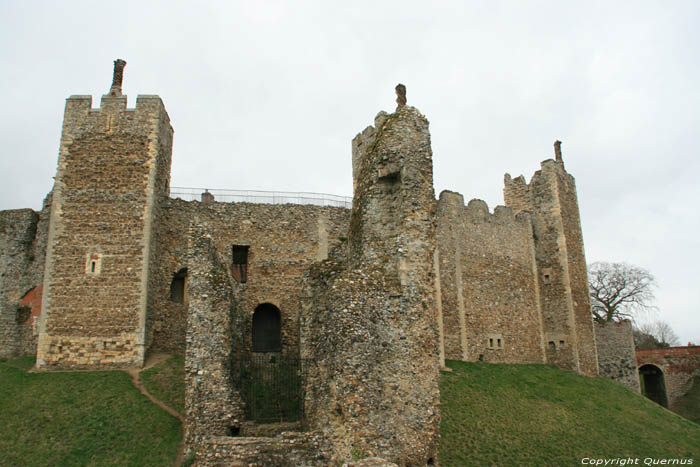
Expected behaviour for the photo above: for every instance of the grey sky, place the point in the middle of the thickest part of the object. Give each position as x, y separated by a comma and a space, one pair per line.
268, 95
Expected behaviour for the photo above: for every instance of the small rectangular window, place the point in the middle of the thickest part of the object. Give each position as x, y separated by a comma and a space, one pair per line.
490, 343
239, 266
500, 344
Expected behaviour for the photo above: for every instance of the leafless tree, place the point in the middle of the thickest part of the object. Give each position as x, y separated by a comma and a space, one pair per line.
654, 335
665, 335
619, 291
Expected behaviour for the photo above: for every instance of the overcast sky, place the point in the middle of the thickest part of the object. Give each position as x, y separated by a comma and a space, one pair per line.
268, 95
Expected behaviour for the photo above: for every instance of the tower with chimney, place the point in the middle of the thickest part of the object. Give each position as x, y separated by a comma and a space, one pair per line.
113, 170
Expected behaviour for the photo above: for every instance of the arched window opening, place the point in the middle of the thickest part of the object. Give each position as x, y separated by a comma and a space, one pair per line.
177, 286
653, 385
267, 335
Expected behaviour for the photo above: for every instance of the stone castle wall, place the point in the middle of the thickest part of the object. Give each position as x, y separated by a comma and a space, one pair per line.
488, 280
113, 167
368, 322
616, 358
283, 240
23, 235
214, 326
550, 199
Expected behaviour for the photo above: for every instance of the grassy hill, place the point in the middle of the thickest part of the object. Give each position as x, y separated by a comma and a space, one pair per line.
80, 418
491, 415
540, 415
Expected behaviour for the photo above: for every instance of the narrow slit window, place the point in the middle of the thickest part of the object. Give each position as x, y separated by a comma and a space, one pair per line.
500, 343
490, 343
239, 266
92, 266
177, 286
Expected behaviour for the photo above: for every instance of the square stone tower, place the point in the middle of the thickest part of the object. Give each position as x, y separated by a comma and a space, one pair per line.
551, 200
113, 168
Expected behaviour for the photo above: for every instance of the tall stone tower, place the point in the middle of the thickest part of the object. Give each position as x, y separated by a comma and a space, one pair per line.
113, 169
551, 200
368, 321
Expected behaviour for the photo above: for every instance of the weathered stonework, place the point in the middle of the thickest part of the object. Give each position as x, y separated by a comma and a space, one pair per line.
616, 358
372, 299
212, 406
23, 234
113, 170
283, 240
368, 334
490, 303
550, 199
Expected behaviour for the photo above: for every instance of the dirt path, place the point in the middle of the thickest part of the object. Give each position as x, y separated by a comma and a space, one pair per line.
135, 374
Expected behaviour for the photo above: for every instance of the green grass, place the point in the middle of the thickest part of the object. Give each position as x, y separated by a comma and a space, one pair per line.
540, 415
689, 405
166, 382
491, 415
80, 418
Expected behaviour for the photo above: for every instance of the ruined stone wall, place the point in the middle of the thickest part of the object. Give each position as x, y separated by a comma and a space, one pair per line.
616, 358
550, 198
283, 241
368, 320
112, 170
680, 365
23, 235
488, 261
214, 325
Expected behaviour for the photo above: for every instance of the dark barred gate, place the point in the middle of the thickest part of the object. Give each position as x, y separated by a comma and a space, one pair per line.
270, 386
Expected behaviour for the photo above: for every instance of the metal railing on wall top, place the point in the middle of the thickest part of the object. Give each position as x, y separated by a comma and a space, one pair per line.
261, 197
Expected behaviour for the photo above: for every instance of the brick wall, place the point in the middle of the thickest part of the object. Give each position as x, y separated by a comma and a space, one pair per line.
680, 365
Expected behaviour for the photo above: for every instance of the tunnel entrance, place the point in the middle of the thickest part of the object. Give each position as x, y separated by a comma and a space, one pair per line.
653, 385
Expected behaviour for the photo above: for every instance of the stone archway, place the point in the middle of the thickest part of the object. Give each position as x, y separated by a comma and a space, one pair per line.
653, 384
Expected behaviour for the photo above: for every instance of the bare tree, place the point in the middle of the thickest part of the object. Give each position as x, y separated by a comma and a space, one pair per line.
619, 291
654, 335
665, 335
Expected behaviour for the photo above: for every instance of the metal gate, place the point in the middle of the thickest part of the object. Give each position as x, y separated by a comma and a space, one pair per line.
270, 386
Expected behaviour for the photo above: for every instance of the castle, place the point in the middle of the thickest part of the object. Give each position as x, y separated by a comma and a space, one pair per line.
375, 296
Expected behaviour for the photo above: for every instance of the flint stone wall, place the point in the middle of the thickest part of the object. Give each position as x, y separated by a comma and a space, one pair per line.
368, 332
212, 407
550, 198
114, 165
616, 357
23, 235
284, 241
488, 281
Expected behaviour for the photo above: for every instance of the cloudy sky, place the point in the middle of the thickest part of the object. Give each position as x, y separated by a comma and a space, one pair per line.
268, 95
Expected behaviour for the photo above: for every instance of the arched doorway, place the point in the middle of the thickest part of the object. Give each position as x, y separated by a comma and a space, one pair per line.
267, 328
653, 385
